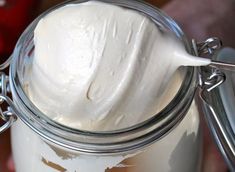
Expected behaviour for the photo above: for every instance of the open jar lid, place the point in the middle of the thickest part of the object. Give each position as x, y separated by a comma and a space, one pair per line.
219, 108
227, 89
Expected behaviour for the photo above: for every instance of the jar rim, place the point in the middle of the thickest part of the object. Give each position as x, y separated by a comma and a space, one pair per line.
115, 141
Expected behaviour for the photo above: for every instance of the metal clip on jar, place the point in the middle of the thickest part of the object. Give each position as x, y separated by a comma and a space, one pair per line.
7, 115
48, 145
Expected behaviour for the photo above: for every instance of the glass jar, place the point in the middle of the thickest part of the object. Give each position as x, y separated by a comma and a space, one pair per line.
162, 143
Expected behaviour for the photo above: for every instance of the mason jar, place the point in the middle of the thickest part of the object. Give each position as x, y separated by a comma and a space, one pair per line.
168, 141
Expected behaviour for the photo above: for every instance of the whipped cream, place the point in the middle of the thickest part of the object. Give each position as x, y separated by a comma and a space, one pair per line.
98, 66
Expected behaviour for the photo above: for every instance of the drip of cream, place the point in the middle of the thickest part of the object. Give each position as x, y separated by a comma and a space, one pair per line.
98, 66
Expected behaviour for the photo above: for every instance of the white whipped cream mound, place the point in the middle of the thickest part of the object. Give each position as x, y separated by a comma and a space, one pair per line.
102, 67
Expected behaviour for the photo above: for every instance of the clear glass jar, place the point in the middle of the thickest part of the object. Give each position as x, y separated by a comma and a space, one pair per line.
170, 141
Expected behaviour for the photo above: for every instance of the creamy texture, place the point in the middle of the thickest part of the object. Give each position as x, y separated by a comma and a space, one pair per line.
102, 67
99, 67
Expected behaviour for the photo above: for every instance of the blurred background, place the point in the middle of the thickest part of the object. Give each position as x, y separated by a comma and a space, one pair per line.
199, 19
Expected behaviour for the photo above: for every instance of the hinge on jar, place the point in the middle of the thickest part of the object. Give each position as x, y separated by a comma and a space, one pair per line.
207, 47
211, 77
6, 105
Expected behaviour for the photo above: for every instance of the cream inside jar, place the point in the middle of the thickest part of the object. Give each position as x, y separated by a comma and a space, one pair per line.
101, 67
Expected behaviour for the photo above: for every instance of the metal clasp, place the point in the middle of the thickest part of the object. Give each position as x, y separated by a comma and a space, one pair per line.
209, 46
6, 111
210, 77
213, 77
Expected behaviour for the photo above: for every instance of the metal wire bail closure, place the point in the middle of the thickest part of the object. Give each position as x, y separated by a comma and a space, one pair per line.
213, 77
7, 112
210, 78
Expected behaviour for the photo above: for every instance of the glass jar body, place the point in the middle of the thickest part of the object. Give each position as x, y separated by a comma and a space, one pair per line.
169, 154
155, 153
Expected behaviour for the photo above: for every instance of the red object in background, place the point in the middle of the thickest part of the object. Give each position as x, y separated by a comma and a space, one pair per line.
15, 15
